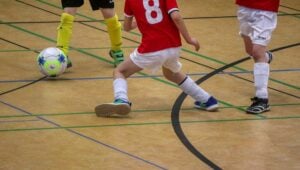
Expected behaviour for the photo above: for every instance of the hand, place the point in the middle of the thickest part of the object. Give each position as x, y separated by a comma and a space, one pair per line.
195, 43
133, 24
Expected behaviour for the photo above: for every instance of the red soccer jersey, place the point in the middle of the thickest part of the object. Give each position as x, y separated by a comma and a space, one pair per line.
158, 30
268, 5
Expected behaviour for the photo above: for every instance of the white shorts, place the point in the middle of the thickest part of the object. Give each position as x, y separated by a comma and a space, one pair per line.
257, 24
168, 58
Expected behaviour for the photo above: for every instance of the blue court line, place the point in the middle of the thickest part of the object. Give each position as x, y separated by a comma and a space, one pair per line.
84, 136
154, 76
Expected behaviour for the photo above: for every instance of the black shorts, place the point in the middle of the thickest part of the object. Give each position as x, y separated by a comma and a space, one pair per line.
95, 4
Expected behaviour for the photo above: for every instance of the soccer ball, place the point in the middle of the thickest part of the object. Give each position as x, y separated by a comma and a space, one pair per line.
52, 61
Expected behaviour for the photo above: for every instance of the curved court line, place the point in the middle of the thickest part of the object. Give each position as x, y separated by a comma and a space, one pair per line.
177, 105
84, 136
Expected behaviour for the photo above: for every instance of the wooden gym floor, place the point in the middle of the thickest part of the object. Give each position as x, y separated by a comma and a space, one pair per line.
51, 124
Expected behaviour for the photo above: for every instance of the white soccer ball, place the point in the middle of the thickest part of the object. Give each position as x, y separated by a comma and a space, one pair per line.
52, 61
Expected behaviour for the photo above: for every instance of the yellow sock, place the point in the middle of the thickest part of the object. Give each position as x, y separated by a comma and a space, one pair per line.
114, 32
64, 32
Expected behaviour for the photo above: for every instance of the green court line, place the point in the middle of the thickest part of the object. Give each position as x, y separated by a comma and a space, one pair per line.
135, 111
111, 62
189, 51
296, 16
148, 123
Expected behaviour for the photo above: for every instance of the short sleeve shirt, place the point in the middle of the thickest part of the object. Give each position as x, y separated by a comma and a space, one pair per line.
155, 24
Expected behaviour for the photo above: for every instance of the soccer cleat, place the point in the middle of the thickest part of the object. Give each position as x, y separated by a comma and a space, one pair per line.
270, 56
118, 56
119, 107
210, 105
258, 106
69, 62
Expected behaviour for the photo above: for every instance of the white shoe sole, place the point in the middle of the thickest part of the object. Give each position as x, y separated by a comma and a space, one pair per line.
108, 109
212, 108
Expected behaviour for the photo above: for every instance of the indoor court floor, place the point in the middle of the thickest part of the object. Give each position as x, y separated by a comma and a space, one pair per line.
50, 123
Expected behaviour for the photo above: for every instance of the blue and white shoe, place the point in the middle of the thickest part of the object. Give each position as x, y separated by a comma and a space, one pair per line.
211, 104
119, 107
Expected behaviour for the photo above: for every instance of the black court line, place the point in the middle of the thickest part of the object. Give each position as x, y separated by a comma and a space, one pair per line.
70, 130
84, 136
25, 85
177, 107
242, 78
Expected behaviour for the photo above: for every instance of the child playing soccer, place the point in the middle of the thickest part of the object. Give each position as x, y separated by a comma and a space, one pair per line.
258, 18
161, 24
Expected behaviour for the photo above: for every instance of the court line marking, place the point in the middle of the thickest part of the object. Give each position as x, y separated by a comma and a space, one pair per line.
277, 81
135, 111
281, 13
17, 121
183, 49
151, 123
177, 107
150, 76
92, 55
84, 136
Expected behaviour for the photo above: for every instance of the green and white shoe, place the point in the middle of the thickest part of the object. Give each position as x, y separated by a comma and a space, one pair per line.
118, 56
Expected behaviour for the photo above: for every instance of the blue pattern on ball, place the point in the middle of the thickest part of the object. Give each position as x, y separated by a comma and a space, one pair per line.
41, 61
61, 58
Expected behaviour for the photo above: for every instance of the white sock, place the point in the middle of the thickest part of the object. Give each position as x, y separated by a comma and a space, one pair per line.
267, 56
120, 89
261, 73
192, 89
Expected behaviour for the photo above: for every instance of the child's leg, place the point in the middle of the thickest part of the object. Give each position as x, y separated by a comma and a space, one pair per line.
123, 71
113, 28
64, 30
187, 85
115, 34
121, 104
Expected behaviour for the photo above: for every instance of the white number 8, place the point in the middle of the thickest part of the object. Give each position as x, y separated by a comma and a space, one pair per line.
150, 9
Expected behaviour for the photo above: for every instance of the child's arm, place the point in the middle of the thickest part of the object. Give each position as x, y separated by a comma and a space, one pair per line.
129, 24
177, 19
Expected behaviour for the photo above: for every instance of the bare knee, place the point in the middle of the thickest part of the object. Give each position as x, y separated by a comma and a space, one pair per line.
117, 73
259, 53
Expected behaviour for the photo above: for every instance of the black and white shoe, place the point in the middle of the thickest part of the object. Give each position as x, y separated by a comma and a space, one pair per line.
270, 56
258, 106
